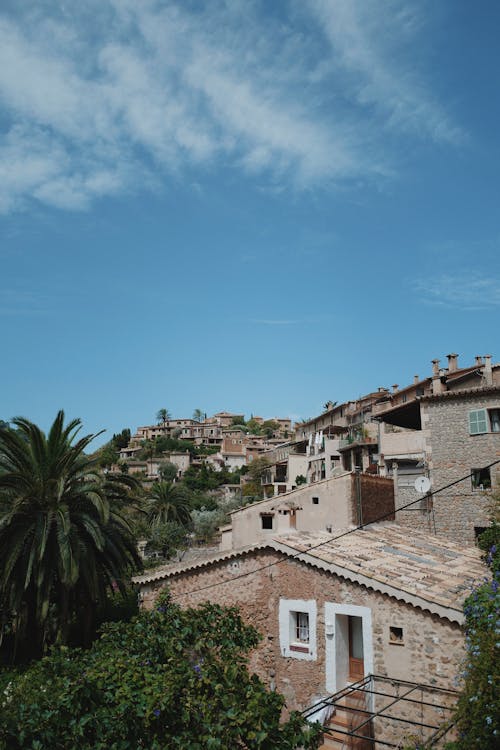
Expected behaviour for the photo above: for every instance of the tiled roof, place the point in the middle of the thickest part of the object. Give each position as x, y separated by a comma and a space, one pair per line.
422, 566
425, 571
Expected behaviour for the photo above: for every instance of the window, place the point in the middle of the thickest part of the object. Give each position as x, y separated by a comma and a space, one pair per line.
266, 520
297, 623
481, 479
396, 636
300, 625
478, 422
315, 500
484, 420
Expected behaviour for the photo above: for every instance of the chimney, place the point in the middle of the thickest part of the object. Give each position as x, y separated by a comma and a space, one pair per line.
479, 361
415, 379
452, 362
395, 388
437, 386
487, 371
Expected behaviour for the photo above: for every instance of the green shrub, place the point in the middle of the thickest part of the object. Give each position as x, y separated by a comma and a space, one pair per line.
170, 678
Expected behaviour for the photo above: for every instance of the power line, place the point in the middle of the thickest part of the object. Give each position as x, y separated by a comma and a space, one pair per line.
336, 538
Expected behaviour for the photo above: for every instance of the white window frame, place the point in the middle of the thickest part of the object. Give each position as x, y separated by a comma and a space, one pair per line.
289, 645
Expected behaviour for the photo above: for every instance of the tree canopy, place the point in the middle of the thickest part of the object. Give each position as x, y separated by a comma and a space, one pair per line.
168, 679
64, 541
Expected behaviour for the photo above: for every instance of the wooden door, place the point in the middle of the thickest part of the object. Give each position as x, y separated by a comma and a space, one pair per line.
356, 660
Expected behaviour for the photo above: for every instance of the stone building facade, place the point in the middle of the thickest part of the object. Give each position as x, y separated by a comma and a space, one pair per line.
315, 601
459, 431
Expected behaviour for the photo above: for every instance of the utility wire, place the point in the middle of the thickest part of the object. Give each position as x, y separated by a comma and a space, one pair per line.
334, 539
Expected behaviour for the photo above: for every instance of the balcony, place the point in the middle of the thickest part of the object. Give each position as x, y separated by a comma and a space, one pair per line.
356, 440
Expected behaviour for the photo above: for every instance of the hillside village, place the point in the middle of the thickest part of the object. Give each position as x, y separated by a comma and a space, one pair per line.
356, 559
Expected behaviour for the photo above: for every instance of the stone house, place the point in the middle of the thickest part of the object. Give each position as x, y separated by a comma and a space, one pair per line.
444, 428
346, 500
332, 611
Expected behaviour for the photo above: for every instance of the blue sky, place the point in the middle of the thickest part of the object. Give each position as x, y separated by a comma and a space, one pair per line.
242, 205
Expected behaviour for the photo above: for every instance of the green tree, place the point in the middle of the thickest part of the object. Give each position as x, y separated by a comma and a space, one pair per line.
238, 420
170, 678
166, 538
270, 427
168, 471
162, 416
108, 456
254, 427
122, 439
64, 541
168, 502
198, 415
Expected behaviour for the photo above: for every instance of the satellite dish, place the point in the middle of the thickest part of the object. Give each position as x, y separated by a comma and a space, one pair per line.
422, 484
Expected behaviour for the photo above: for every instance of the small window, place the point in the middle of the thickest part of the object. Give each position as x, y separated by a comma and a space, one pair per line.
478, 422
297, 628
396, 636
266, 520
495, 420
315, 500
300, 631
481, 479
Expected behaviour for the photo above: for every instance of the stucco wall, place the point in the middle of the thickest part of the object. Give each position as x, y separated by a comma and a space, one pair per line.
430, 653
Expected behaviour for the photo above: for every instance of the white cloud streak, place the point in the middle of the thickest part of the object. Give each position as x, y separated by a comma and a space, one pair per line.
463, 291
119, 96
368, 40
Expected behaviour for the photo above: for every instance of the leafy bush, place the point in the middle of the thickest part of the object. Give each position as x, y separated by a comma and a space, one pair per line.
170, 678
478, 710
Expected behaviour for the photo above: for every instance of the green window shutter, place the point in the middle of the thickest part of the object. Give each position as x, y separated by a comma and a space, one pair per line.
478, 422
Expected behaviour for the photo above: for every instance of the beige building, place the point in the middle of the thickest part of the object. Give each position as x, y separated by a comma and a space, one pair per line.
344, 501
332, 612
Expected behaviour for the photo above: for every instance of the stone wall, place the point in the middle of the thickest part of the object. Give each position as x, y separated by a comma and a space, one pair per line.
430, 651
453, 452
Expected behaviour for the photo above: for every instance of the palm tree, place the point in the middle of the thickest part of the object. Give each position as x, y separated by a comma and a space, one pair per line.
168, 502
198, 415
162, 415
63, 537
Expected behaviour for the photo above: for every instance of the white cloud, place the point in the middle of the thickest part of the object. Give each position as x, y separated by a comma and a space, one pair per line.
107, 97
370, 41
465, 290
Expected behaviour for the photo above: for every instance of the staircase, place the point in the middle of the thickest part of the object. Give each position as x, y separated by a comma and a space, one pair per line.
350, 711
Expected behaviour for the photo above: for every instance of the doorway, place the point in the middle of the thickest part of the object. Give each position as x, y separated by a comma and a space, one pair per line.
356, 658
349, 647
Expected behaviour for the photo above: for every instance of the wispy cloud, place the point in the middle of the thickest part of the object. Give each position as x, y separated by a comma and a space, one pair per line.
371, 44
465, 291
117, 96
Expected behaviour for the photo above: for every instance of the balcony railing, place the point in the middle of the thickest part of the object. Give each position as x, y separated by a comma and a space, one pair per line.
357, 439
